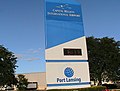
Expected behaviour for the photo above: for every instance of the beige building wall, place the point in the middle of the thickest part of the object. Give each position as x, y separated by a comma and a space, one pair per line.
39, 77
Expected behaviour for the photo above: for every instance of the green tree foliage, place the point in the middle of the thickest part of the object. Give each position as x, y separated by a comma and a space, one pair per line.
104, 59
7, 67
22, 83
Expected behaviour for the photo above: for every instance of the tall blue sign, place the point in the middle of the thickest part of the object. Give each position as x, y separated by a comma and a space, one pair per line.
66, 52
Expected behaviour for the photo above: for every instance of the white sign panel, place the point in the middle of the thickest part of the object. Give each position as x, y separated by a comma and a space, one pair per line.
66, 74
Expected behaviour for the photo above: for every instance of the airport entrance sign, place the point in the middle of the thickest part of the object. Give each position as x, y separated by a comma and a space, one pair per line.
66, 51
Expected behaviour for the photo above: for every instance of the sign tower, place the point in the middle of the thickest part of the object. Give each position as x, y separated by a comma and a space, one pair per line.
66, 52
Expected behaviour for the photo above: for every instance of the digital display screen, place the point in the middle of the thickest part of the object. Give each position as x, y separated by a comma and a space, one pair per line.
72, 52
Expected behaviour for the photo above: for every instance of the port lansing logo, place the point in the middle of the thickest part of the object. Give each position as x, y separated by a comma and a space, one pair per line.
69, 73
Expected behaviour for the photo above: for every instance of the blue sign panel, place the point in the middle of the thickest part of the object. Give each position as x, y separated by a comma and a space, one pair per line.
63, 23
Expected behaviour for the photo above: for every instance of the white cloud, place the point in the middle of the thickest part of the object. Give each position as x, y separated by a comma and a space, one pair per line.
34, 50
19, 56
32, 59
29, 55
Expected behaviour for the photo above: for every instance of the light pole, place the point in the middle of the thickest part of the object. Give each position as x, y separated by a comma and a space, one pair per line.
118, 43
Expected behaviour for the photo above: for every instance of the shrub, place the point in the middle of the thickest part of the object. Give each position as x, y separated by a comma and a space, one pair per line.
110, 86
94, 88
118, 85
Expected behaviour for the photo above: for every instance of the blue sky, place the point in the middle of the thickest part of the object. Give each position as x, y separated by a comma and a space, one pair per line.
22, 28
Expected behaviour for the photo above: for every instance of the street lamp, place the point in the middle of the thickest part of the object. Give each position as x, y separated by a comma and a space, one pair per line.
118, 43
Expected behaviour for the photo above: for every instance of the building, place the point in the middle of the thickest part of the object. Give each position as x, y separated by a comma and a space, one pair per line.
36, 77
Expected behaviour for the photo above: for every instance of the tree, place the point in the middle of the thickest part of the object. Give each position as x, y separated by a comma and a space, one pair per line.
7, 67
22, 83
104, 59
